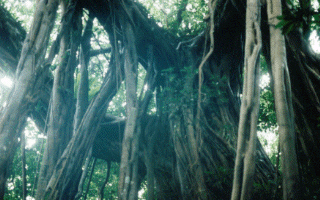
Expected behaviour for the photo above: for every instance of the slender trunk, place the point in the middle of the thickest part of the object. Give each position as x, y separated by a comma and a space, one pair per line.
182, 177
130, 145
37, 168
90, 177
83, 93
283, 104
84, 175
101, 191
149, 161
23, 160
194, 139
247, 133
83, 90
277, 173
150, 178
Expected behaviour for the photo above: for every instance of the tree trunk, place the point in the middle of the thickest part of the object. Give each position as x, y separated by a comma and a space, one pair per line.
283, 104
90, 177
29, 67
83, 93
101, 191
199, 148
247, 133
83, 90
23, 161
62, 104
129, 155
65, 178
84, 175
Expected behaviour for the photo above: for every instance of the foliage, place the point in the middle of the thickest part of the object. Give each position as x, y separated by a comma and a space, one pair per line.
182, 18
264, 191
221, 178
118, 103
312, 189
33, 156
267, 117
267, 121
98, 65
300, 14
99, 175
174, 94
22, 10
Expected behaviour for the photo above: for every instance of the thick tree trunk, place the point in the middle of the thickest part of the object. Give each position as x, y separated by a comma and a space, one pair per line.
62, 105
29, 67
83, 93
247, 133
65, 179
283, 104
305, 79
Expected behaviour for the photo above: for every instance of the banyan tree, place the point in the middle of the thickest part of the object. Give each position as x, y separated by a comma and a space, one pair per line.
200, 142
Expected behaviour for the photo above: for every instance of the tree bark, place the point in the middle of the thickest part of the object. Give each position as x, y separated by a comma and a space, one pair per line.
283, 104
23, 161
101, 191
129, 159
65, 178
83, 90
247, 132
90, 177
62, 104
83, 93
29, 67
84, 175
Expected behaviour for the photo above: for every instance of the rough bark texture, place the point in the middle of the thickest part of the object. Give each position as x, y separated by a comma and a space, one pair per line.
305, 77
128, 188
304, 74
247, 133
29, 69
83, 88
61, 109
65, 179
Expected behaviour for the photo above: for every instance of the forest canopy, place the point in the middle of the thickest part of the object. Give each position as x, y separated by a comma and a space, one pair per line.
152, 99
